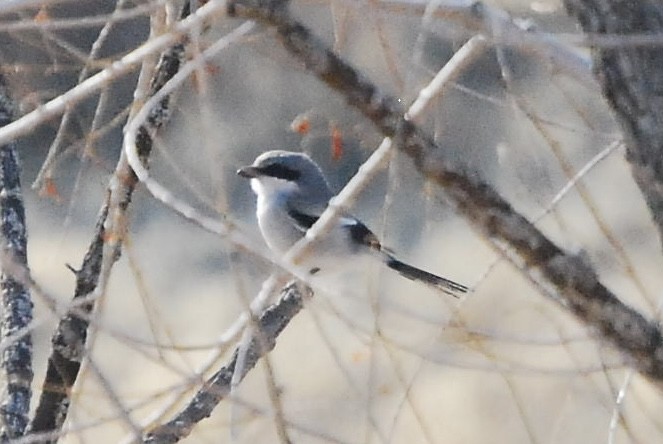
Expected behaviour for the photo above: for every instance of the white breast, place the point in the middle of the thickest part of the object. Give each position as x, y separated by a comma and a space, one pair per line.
276, 226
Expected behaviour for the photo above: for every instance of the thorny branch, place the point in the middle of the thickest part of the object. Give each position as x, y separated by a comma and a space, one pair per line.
16, 360
263, 340
571, 279
71, 334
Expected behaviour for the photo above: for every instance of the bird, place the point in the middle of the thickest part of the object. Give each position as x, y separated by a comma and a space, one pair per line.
292, 192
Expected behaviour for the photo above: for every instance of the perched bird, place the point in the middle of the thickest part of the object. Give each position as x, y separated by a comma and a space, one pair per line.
292, 194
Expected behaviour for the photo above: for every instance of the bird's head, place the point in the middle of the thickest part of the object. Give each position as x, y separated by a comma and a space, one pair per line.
285, 172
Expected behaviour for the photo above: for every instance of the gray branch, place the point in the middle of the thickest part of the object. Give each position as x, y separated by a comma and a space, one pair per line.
573, 282
16, 360
70, 336
266, 329
632, 81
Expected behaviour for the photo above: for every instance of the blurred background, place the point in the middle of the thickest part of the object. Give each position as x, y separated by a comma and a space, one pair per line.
401, 363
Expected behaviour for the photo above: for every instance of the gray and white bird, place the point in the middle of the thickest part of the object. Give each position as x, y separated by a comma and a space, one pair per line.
292, 194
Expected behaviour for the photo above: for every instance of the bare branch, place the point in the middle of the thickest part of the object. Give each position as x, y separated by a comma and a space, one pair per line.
500, 28
118, 15
632, 82
117, 69
435, 90
270, 324
240, 367
16, 360
566, 275
56, 146
70, 337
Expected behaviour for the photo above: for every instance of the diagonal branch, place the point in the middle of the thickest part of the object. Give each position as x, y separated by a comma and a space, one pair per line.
186, 420
92, 85
263, 340
570, 278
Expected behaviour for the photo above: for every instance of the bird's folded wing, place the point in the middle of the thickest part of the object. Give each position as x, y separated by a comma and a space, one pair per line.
302, 220
358, 232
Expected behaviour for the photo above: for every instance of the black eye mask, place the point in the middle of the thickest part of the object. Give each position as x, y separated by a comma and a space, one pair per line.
280, 172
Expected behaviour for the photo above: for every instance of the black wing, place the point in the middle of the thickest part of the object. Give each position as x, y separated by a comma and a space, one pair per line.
302, 221
359, 233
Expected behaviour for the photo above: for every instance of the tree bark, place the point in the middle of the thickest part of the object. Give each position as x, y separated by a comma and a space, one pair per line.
631, 77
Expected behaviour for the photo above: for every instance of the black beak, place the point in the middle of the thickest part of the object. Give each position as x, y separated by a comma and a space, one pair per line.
250, 172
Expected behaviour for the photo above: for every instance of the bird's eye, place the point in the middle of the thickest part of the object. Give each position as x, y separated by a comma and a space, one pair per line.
280, 172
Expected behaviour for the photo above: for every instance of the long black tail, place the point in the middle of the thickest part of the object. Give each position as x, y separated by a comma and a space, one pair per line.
413, 273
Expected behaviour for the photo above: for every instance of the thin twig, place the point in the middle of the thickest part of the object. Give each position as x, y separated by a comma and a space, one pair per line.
479, 18
123, 412
445, 77
225, 227
70, 337
117, 69
270, 324
571, 280
56, 146
435, 90
55, 24
242, 358
222, 345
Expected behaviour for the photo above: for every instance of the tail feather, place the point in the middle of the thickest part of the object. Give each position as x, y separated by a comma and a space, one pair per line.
413, 273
